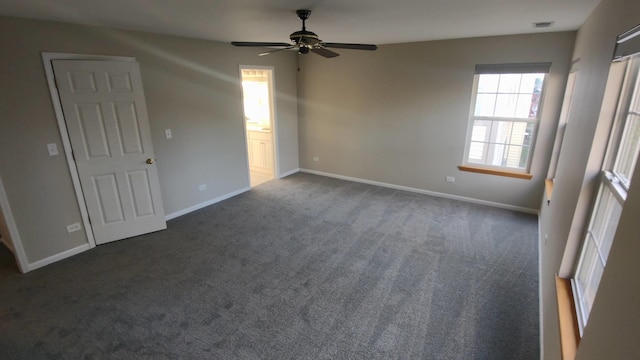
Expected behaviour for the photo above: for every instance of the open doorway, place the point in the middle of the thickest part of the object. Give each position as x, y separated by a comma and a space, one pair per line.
257, 92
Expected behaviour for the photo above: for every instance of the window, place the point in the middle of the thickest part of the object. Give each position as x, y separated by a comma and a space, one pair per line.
623, 148
505, 113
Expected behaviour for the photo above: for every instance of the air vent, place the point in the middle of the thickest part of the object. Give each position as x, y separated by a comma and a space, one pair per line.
543, 24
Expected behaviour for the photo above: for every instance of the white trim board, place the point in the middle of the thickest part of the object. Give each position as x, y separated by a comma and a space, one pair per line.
205, 204
220, 198
541, 244
59, 256
425, 192
8, 245
287, 173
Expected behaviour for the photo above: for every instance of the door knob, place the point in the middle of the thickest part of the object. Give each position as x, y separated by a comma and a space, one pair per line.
150, 161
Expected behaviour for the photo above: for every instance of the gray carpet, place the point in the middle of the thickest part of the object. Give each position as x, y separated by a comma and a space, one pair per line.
305, 267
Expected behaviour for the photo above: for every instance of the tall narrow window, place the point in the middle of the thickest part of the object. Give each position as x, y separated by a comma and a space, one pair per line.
623, 148
505, 113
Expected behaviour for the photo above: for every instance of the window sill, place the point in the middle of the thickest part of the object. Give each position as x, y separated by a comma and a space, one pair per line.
507, 173
569, 334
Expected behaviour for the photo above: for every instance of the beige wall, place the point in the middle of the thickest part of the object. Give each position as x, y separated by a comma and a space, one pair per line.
614, 324
191, 86
399, 115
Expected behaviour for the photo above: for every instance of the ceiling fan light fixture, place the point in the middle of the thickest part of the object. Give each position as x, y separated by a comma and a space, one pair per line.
303, 50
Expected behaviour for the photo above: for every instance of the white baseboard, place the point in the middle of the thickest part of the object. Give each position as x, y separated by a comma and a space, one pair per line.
540, 296
205, 204
425, 192
85, 247
8, 245
57, 257
290, 172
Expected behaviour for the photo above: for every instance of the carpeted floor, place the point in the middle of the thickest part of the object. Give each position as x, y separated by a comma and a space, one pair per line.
306, 267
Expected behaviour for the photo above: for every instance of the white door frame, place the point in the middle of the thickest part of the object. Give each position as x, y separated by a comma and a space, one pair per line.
274, 119
62, 126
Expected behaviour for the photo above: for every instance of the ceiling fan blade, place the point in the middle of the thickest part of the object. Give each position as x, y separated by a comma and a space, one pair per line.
350, 46
324, 52
259, 44
276, 50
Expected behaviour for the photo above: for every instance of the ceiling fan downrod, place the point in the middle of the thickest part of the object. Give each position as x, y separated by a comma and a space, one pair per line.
303, 15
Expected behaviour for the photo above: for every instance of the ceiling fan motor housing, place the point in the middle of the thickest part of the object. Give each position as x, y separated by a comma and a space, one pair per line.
304, 37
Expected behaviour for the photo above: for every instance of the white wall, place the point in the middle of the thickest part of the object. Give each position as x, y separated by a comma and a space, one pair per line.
191, 86
399, 115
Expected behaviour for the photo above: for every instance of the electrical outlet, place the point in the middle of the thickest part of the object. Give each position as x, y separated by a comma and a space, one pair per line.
202, 187
315, 158
450, 179
73, 227
168, 134
53, 149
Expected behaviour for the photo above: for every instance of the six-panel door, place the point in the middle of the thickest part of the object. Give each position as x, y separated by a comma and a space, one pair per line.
106, 116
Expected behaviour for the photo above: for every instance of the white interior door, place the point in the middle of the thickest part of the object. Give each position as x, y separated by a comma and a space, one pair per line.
106, 116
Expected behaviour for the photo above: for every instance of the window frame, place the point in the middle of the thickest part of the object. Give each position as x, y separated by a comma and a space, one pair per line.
503, 69
609, 181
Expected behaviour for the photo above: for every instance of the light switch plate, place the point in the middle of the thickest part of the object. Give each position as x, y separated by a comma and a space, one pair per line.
53, 149
167, 133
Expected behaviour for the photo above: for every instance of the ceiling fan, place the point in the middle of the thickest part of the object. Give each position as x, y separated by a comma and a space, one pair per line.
305, 41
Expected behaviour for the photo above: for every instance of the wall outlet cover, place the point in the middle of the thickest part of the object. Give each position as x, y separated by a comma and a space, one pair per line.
53, 149
73, 227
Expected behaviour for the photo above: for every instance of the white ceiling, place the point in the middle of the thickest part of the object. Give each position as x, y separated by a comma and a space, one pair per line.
361, 21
